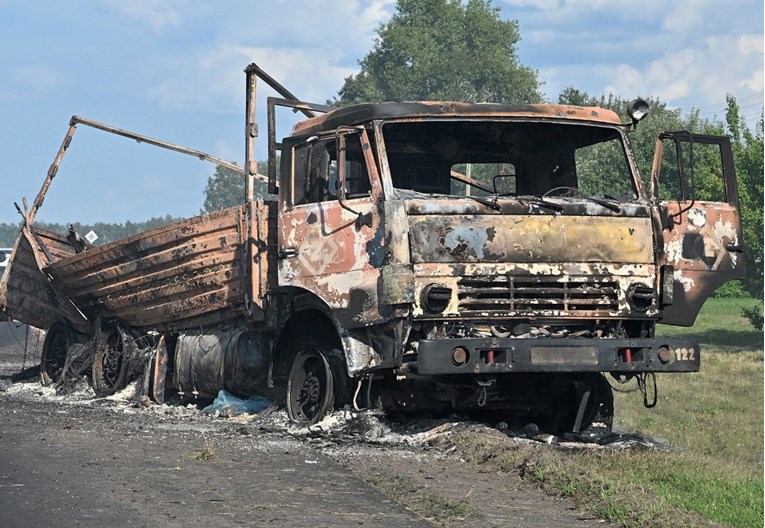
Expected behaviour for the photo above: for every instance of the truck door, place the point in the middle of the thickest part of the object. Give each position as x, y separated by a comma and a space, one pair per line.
330, 239
694, 182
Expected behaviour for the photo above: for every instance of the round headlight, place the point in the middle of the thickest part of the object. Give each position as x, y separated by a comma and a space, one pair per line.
435, 298
640, 297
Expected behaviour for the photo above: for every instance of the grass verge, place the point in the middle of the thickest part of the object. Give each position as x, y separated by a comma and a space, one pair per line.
438, 509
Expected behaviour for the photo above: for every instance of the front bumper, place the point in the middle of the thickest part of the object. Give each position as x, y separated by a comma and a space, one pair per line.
504, 355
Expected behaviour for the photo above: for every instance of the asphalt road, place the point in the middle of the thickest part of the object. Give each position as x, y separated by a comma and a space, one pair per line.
63, 465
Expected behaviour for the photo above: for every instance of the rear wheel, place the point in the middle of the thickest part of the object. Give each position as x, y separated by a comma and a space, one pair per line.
53, 357
109, 365
310, 386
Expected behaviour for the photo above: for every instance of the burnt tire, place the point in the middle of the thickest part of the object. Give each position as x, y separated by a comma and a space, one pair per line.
342, 383
561, 417
604, 402
109, 365
53, 356
310, 386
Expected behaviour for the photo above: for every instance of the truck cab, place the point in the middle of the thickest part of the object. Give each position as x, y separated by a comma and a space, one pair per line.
495, 255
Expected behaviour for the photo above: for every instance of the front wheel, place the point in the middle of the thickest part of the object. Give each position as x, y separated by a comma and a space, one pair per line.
310, 387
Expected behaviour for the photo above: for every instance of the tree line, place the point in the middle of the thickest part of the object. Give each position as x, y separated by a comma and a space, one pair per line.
107, 232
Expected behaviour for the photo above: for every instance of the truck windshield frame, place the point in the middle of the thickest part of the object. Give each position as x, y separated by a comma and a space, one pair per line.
509, 157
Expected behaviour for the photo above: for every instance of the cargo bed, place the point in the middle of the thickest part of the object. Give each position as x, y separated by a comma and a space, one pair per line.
188, 274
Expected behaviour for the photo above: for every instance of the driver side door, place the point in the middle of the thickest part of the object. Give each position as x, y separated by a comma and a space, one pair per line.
330, 229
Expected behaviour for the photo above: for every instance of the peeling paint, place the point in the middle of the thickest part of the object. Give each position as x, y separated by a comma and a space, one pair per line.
697, 217
462, 238
725, 231
687, 282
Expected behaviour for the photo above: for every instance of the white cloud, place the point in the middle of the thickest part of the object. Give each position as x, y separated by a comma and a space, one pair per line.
35, 79
697, 77
750, 45
754, 83
216, 79
306, 50
683, 17
157, 14
689, 53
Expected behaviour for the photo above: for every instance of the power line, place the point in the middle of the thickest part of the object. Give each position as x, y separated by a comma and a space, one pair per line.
739, 100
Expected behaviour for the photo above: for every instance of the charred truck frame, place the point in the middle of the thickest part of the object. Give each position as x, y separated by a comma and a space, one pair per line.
417, 255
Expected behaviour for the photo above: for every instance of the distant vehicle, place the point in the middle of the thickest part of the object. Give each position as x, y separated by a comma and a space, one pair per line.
5, 258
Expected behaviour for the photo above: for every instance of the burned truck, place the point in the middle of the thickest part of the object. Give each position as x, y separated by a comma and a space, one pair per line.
410, 255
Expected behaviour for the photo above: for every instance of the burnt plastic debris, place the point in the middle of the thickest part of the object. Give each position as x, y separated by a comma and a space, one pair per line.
226, 402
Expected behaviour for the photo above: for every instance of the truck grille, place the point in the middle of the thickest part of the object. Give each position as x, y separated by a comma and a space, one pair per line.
506, 295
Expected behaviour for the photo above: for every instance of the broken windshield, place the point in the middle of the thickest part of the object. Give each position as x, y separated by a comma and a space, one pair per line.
508, 158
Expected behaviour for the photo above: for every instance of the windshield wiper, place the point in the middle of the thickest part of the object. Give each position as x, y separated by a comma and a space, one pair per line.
488, 203
538, 200
605, 203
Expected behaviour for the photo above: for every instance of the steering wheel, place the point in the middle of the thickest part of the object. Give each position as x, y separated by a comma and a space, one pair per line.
563, 190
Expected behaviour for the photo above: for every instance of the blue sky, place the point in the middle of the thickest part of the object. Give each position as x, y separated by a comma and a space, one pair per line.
172, 69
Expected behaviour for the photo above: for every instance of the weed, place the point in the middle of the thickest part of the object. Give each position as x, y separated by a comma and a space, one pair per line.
445, 507
206, 453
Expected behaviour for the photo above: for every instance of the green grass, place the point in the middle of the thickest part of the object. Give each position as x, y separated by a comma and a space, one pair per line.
438, 509
713, 421
442, 507
713, 417
721, 325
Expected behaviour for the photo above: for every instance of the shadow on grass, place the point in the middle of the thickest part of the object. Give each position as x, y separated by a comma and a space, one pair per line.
729, 340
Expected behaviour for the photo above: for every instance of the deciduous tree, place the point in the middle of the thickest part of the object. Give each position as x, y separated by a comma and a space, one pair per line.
443, 50
225, 188
748, 157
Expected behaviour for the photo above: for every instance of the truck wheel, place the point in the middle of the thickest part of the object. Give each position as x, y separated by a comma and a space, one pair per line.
310, 387
53, 356
109, 366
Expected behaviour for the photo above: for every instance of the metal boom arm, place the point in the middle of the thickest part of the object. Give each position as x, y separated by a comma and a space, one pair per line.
29, 215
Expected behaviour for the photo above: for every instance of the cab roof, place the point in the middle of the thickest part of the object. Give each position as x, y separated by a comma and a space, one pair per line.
363, 113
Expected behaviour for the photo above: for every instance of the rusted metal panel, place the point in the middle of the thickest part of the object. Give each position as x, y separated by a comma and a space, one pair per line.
703, 250
357, 114
181, 275
263, 251
322, 251
529, 238
26, 293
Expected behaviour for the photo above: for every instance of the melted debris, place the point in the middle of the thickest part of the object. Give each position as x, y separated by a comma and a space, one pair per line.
342, 427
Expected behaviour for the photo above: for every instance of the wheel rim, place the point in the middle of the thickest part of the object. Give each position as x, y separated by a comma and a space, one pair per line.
109, 366
309, 391
111, 361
